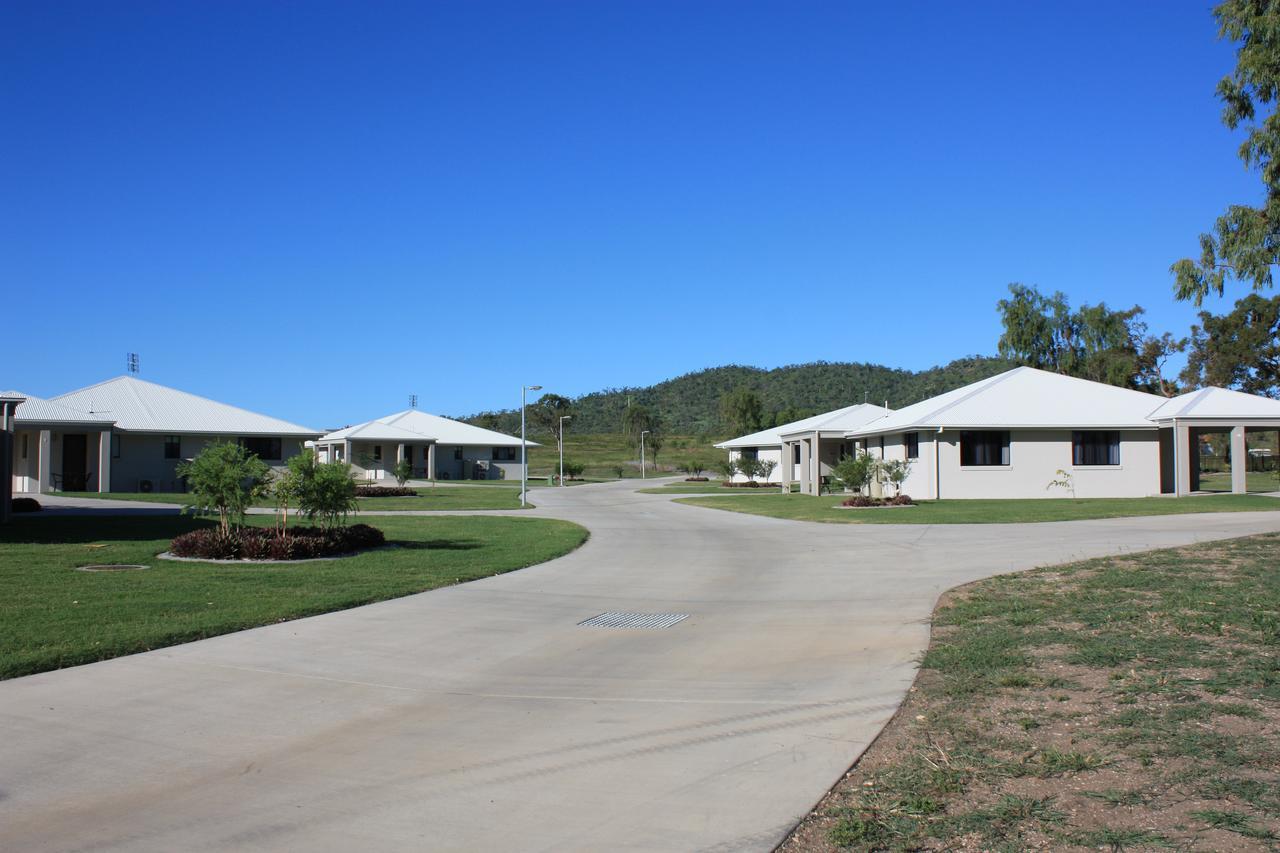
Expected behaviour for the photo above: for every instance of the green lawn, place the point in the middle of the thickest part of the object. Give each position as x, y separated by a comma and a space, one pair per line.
601, 453
1118, 704
52, 616
1254, 481
809, 508
446, 497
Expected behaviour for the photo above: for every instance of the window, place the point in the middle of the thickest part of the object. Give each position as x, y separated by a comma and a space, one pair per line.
115, 447
912, 442
457, 453
1095, 447
749, 453
377, 453
984, 447
172, 447
263, 446
504, 454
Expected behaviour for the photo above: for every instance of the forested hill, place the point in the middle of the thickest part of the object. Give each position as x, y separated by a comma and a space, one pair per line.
690, 404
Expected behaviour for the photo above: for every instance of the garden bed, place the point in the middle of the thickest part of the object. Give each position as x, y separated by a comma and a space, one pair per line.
259, 544
864, 502
385, 492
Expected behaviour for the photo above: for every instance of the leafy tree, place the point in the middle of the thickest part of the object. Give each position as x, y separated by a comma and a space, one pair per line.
765, 467
742, 411
693, 468
402, 472
1152, 357
226, 479
545, 414
1240, 349
727, 468
618, 471
855, 472
749, 467
635, 420
1093, 342
653, 442
1246, 239
330, 495
895, 472
290, 486
573, 470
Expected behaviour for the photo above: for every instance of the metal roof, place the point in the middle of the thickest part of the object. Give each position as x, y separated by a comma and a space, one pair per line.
417, 425
1028, 398
1217, 403
850, 417
140, 406
37, 410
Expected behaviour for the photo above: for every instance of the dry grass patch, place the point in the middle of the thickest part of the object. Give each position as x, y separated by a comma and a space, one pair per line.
1112, 704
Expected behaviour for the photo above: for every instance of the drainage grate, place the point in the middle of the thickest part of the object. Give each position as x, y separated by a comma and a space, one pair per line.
618, 619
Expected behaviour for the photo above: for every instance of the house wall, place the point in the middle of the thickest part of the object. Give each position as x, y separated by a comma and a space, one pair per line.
26, 472
142, 459
765, 452
1035, 456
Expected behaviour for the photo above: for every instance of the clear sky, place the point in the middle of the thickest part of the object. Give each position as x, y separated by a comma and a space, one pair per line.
315, 209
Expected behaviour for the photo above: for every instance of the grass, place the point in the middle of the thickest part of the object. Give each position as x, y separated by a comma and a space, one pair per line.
601, 453
1254, 481
810, 508
467, 497
52, 616
1020, 734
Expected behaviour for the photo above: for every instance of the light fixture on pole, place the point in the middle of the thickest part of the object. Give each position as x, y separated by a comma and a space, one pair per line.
643, 433
560, 437
524, 453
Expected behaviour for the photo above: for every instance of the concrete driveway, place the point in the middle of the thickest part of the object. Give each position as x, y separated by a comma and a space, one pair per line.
484, 717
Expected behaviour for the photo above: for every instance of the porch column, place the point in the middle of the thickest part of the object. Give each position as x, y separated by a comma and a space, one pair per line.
431, 461
786, 468
104, 461
44, 459
399, 453
8, 415
1239, 461
804, 466
816, 456
1183, 452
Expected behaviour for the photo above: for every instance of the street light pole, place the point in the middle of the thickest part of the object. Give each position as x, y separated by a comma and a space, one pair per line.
643, 433
560, 435
524, 452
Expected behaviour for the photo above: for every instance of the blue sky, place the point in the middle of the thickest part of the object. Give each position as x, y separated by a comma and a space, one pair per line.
315, 210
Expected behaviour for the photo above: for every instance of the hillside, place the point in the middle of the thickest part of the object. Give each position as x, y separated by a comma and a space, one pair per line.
690, 404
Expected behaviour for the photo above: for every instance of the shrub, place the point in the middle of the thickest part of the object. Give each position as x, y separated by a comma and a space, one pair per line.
749, 468
328, 493
727, 468
260, 543
573, 470
855, 472
225, 478
402, 472
618, 471
894, 472
25, 505
385, 492
902, 500
859, 500
693, 468
765, 467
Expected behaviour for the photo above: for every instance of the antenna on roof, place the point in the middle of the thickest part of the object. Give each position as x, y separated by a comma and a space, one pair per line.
864, 397
131, 362
413, 401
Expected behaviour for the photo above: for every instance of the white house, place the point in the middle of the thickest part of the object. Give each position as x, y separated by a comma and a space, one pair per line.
438, 448
55, 446
1010, 435
767, 444
143, 430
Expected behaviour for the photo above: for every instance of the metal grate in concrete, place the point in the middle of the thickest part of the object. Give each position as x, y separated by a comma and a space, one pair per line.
621, 619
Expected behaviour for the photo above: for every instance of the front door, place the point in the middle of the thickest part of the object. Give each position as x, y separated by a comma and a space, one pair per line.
75, 462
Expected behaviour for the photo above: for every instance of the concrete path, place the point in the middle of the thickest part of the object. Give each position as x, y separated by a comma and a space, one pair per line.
484, 717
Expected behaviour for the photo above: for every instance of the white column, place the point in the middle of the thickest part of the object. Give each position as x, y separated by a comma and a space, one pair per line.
431, 461
816, 457
104, 461
1184, 454
805, 469
785, 463
1239, 461
44, 456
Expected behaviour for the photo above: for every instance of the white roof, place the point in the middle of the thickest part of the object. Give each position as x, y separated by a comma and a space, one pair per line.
140, 406
38, 410
1028, 398
417, 425
850, 417
1214, 402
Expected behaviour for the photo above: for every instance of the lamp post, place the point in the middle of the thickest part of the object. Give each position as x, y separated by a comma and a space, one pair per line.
643, 433
524, 454
560, 436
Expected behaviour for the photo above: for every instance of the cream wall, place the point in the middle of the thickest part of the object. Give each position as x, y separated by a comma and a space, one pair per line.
764, 452
142, 458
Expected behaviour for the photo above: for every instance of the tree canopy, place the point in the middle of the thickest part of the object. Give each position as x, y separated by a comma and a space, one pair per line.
742, 411
1240, 349
1245, 240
